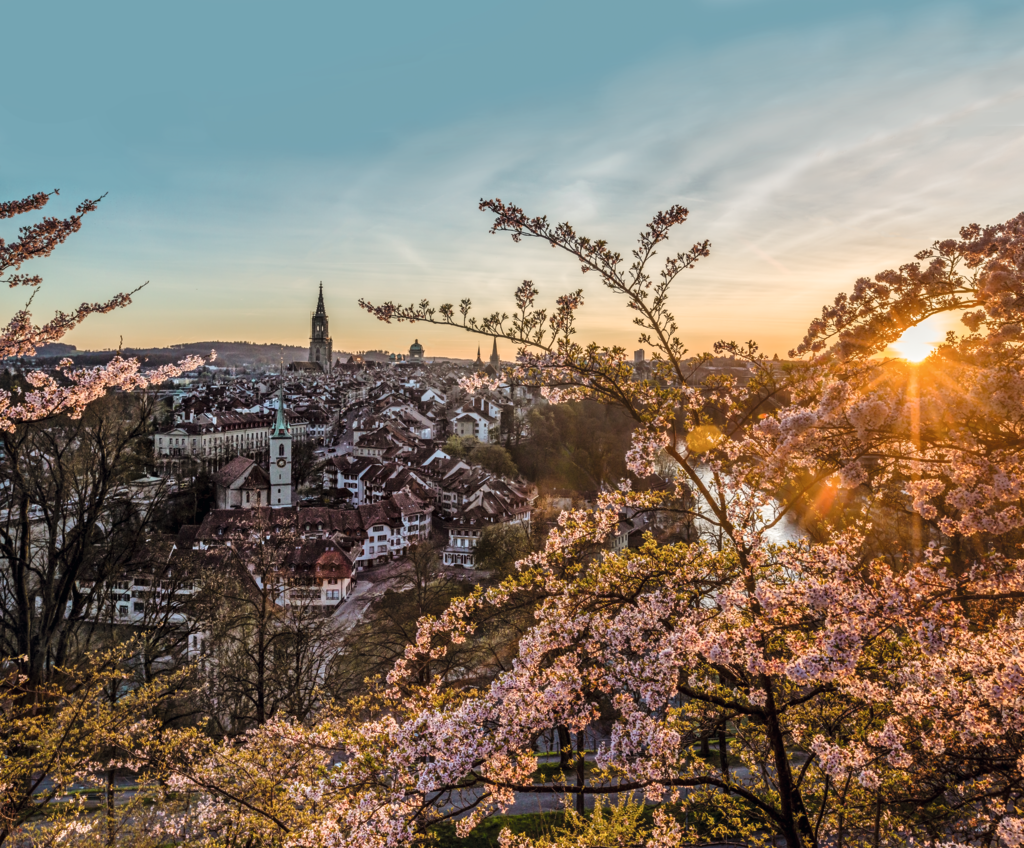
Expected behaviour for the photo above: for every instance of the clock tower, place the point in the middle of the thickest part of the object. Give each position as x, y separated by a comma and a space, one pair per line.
280, 458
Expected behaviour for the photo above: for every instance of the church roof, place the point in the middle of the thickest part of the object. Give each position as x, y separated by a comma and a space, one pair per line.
231, 472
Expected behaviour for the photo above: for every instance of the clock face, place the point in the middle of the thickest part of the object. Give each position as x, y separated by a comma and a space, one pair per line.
282, 462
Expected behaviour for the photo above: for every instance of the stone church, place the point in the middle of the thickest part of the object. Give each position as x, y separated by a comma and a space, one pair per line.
320, 345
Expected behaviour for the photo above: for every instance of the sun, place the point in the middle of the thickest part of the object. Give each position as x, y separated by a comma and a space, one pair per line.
916, 343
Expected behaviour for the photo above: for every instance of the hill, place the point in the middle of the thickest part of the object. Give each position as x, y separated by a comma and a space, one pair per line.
229, 354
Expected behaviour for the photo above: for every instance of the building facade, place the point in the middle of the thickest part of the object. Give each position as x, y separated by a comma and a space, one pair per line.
212, 440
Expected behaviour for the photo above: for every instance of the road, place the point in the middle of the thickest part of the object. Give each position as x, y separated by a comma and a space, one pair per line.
348, 614
343, 444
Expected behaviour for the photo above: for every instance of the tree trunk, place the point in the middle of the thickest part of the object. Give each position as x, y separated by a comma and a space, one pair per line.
797, 826
564, 746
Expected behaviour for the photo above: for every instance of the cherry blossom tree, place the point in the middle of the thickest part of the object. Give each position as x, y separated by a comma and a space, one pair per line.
859, 692
72, 389
63, 517
52, 735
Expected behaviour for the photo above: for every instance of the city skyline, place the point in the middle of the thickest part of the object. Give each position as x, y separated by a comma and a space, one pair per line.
248, 159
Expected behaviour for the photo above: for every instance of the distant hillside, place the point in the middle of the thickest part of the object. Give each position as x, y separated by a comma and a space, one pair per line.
229, 354
58, 349
238, 353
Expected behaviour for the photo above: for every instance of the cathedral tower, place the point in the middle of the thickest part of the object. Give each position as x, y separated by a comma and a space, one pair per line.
320, 345
495, 359
281, 457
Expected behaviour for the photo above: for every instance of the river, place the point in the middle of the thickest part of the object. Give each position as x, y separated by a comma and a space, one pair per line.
788, 529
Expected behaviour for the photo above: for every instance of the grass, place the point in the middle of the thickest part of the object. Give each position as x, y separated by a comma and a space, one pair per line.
549, 772
485, 834
710, 821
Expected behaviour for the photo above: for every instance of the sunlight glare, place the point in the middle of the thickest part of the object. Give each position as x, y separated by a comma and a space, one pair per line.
917, 342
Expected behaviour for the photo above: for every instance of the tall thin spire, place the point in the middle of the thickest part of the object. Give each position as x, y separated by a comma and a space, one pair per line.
281, 427
495, 359
320, 309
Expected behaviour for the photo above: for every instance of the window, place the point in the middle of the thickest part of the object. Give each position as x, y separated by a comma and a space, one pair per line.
138, 606
333, 594
122, 610
280, 450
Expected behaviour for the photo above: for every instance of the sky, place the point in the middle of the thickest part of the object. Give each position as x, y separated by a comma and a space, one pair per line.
249, 151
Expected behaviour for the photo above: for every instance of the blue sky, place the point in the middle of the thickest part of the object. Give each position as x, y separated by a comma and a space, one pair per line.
251, 150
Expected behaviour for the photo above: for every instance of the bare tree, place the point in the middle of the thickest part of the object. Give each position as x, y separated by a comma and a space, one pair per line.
69, 523
269, 643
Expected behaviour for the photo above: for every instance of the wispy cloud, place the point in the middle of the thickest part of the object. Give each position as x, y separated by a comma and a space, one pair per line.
803, 181
809, 157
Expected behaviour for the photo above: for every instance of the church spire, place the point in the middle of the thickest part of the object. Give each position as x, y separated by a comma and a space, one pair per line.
479, 362
281, 430
495, 359
320, 309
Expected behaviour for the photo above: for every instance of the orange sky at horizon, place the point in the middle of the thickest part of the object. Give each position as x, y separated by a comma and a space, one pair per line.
718, 300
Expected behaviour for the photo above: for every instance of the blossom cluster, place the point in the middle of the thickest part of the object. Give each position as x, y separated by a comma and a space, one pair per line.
76, 388
857, 690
